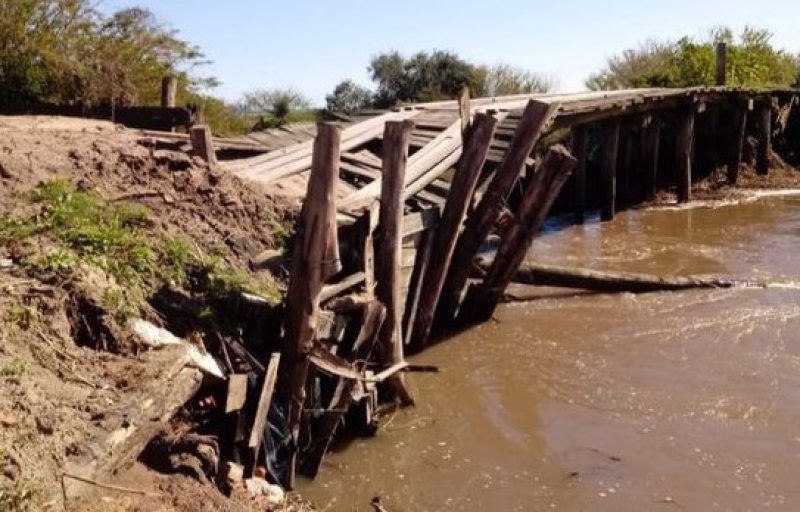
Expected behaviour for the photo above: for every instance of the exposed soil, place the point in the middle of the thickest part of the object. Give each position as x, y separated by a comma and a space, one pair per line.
69, 364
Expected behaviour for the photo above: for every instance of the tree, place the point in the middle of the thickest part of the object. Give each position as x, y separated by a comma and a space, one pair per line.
752, 62
278, 102
348, 97
504, 80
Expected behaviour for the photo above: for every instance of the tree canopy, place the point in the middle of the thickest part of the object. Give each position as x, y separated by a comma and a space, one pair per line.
752, 61
348, 97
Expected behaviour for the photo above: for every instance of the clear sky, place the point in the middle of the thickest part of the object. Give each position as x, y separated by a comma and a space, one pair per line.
312, 45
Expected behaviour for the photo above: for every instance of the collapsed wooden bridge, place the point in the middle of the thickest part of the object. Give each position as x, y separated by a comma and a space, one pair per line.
398, 207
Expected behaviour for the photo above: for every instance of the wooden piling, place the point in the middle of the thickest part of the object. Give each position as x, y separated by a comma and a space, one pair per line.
684, 154
540, 194
444, 241
608, 171
535, 118
764, 127
388, 243
305, 282
578, 149
652, 147
169, 90
739, 131
202, 143
722, 62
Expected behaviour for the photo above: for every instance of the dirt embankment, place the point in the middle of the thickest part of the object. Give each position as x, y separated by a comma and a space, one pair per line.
99, 228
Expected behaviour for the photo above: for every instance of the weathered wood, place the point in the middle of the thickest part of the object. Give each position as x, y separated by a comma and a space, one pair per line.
446, 235
305, 282
479, 223
612, 282
237, 392
332, 290
552, 173
652, 148
684, 155
464, 113
764, 126
739, 124
578, 149
169, 89
374, 316
264, 402
608, 169
415, 285
202, 144
388, 243
722, 62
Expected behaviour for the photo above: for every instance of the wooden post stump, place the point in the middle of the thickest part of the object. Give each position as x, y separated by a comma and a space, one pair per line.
652, 147
684, 155
578, 148
202, 144
739, 131
764, 127
610, 134
169, 90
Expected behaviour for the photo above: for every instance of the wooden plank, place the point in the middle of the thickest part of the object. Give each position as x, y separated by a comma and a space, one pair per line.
237, 392
608, 169
764, 126
305, 282
388, 243
415, 283
684, 147
578, 148
464, 112
264, 402
332, 290
540, 194
446, 235
479, 223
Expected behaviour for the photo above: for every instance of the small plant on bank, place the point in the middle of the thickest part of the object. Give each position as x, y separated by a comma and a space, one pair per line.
15, 368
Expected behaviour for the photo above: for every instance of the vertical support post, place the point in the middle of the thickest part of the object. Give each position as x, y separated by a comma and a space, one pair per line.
578, 147
684, 154
203, 144
465, 113
652, 147
540, 194
169, 90
608, 171
305, 282
388, 245
739, 124
444, 242
535, 118
764, 114
722, 63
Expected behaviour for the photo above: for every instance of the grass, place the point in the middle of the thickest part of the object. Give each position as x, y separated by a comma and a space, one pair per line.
15, 368
23, 316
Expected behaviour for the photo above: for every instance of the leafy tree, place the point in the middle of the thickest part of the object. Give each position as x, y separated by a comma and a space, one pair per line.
278, 102
752, 61
504, 80
348, 97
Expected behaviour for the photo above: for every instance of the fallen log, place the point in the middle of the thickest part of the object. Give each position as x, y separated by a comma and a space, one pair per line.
613, 282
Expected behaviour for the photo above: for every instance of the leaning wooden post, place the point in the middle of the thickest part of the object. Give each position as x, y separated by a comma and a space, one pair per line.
608, 171
722, 62
464, 113
652, 147
739, 125
203, 144
444, 242
578, 147
169, 90
479, 223
684, 154
481, 300
388, 245
764, 127
305, 282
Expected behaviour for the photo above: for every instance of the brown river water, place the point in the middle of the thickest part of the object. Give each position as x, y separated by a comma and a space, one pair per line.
666, 401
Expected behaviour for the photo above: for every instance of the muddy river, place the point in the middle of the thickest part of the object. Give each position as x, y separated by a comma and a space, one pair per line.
666, 401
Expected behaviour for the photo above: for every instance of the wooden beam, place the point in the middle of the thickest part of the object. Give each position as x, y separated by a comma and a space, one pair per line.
305, 282
764, 127
652, 148
446, 236
388, 244
722, 62
262, 410
739, 132
578, 149
608, 170
202, 144
536, 117
464, 112
169, 89
540, 194
684, 155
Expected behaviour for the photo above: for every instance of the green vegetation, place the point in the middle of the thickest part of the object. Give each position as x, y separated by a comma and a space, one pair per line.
348, 97
752, 62
23, 316
18, 498
79, 228
276, 107
13, 369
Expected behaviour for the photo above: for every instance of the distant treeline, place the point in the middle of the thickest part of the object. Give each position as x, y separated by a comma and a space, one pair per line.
66, 52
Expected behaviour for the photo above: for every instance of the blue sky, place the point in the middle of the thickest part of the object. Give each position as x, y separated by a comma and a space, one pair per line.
312, 45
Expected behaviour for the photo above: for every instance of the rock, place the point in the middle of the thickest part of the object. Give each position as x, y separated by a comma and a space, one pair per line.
44, 425
257, 487
234, 472
8, 420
